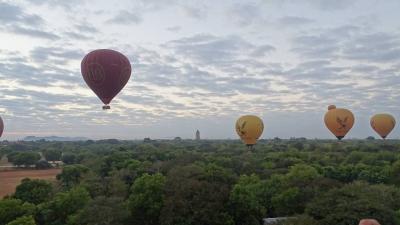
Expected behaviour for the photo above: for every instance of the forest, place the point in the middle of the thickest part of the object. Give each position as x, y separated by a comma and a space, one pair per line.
207, 182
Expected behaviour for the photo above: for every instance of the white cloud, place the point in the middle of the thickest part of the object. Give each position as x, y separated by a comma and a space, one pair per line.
196, 64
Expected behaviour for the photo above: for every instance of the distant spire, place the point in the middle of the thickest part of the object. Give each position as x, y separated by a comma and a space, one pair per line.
197, 135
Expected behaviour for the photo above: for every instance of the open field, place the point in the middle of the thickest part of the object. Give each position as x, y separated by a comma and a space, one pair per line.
9, 180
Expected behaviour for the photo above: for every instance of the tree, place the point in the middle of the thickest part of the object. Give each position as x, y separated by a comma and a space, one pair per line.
62, 207
288, 202
33, 191
11, 156
375, 174
68, 158
354, 201
272, 187
297, 189
24, 220
300, 220
25, 158
116, 160
72, 175
246, 200
52, 154
43, 164
394, 173
110, 186
104, 211
197, 195
344, 173
298, 145
147, 199
134, 169
301, 175
11, 209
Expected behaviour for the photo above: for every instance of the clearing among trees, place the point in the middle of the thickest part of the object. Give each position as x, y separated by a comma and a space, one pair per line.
9, 180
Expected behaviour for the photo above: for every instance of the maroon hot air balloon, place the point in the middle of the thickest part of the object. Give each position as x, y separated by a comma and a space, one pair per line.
1, 126
106, 72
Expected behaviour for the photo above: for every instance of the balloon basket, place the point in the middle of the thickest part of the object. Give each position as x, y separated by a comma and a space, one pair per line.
105, 107
340, 137
250, 147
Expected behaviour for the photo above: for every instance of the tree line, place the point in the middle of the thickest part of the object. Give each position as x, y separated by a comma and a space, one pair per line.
316, 182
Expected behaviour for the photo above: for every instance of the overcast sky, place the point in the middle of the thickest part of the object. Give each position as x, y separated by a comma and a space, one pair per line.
199, 65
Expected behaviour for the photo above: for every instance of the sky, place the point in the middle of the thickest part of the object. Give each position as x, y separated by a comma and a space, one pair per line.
199, 65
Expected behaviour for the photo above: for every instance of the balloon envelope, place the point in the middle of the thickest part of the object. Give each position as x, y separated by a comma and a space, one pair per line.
383, 124
1, 126
368, 222
106, 72
339, 121
249, 128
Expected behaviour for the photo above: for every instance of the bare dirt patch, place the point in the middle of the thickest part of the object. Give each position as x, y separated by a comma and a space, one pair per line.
9, 180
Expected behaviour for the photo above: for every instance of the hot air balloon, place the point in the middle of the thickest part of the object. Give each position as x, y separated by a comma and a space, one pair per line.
368, 222
1, 126
383, 124
249, 128
339, 121
106, 72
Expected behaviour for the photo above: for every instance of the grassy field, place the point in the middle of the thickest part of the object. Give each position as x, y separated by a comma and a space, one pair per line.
9, 180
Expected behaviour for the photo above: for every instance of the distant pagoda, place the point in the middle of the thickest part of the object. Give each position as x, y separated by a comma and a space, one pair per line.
197, 135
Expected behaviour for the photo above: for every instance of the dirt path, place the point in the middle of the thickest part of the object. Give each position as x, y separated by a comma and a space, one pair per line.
9, 180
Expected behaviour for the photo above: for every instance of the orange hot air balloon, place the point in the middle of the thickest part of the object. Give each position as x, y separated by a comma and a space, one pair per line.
383, 124
249, 128
339, 121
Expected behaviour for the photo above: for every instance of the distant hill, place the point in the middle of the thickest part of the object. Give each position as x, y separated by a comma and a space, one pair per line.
54, 138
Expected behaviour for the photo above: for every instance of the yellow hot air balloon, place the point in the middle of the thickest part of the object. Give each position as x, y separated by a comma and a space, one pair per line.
339, 121
249, 128
383, 124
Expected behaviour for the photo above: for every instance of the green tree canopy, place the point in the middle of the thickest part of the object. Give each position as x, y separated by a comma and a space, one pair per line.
147, 199
197, 195
52, 154
11, 209
24, 220
246, 200
72, 175
354, 201
102, 211
25, 158
68, 158
43, 164
63, 206
33, 191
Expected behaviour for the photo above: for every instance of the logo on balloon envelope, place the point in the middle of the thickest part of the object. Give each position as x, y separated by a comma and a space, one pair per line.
96, 73
341, 122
